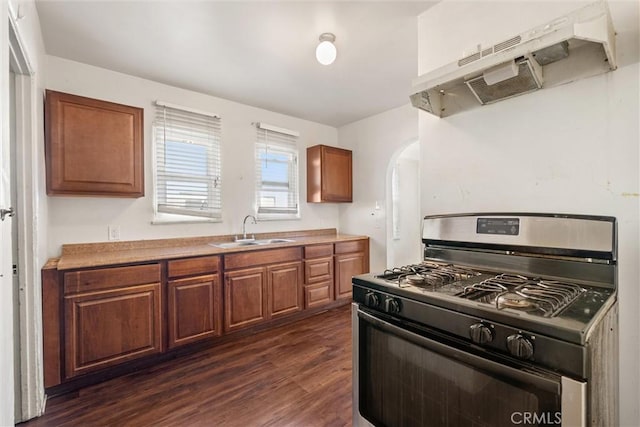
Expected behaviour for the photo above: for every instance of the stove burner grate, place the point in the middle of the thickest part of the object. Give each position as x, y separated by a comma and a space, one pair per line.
427, 274
523, 293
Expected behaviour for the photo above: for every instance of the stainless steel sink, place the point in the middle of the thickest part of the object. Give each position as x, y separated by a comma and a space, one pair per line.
233, 244
270, 241
262, 242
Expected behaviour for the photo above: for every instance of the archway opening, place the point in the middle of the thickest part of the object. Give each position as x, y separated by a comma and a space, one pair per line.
403, 206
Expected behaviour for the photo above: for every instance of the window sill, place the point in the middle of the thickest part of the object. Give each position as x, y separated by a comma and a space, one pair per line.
278, 217
166, 219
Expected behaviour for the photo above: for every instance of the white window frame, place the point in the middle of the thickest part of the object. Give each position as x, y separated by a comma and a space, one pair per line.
276, 139
198, 122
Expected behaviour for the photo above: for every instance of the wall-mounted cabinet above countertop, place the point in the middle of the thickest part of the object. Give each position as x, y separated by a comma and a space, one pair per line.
93, 147
329, 174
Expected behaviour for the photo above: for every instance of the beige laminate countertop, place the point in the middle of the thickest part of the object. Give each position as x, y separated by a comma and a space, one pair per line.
111, 253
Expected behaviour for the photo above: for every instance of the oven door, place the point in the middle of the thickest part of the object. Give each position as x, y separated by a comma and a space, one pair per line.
406, 376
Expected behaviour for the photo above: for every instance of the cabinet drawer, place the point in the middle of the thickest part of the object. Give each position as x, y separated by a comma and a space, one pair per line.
317, 270
255, 258
114, 277
348, 247
318, 294
317, 251
193, 266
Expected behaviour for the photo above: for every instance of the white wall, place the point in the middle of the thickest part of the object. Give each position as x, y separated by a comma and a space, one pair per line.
374, 140
85, 219
568, 149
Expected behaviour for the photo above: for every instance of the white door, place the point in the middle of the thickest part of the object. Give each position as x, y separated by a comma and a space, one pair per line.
6, 277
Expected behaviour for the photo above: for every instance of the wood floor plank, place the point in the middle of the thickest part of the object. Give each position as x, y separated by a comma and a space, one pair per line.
295, 375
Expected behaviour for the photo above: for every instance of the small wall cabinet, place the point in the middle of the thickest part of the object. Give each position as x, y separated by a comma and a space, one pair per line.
93, 147
329, 174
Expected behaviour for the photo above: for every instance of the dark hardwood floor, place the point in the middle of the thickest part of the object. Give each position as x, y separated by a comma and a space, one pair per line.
294, 375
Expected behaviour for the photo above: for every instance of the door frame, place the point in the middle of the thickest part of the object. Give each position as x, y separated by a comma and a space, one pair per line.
30, 386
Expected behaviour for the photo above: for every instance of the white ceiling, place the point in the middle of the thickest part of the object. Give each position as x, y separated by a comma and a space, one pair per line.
257, 53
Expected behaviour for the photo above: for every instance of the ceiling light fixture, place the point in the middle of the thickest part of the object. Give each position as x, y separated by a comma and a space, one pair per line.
326, 50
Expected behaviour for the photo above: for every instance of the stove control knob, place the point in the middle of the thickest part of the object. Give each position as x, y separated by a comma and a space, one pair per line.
520, 346
481, 333
392, 305
371, 300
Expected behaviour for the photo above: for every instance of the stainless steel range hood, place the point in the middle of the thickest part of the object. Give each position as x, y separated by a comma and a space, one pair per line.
580, 44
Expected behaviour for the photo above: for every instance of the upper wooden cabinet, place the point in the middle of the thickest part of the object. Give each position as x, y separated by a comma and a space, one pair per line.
329, 174
93, 147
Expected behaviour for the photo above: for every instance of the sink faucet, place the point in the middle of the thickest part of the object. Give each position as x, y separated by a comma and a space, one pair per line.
244, 225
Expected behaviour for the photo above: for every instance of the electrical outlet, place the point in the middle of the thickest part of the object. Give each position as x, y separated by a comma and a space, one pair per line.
114, 232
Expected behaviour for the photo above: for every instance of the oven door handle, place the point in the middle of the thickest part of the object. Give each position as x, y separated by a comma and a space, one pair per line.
549, 384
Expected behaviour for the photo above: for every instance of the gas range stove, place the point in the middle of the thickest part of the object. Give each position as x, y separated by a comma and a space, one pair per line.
529, 285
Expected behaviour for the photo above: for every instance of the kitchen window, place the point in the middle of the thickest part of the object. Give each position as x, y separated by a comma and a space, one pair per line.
276, 173
187, 165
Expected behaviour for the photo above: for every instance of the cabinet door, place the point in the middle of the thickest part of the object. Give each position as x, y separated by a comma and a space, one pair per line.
336, 175
347, 266
245, 298
285, 288
194, 309
109, 327
93, 147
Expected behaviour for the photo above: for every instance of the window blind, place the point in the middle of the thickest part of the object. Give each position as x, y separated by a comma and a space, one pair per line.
188, 175
276, 173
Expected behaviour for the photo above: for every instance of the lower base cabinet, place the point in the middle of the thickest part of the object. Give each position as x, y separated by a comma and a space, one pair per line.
244, 298
318, 272
194, 309
97, 318
105, 328
256, 295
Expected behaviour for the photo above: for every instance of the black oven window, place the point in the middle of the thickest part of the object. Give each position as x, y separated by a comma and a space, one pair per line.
404, 384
